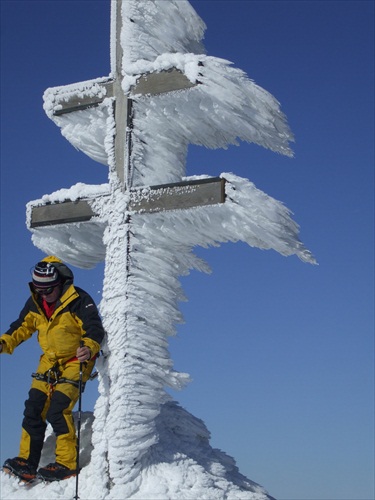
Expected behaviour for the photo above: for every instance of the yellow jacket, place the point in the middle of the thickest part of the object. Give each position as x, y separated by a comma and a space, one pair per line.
75, 318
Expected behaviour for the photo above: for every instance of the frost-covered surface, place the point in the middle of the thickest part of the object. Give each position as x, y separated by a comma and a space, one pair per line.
224, 107
181, 465
143, 445
157, 27
248, 215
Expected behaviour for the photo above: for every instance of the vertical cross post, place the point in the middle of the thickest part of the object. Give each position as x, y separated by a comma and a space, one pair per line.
124, 325
122, 110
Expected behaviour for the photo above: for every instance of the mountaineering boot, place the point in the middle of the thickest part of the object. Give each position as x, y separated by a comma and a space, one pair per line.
55, 472
21, 468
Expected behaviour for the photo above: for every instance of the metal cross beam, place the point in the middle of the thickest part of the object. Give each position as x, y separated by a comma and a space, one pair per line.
148, 84
179, 195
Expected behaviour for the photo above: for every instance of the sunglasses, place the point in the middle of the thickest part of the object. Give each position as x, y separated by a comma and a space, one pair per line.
45, 291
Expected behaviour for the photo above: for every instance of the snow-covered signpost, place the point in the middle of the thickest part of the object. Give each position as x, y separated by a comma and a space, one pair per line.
163, 93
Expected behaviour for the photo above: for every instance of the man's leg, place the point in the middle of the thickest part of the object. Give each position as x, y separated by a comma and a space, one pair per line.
60, 417
34, 425
33, 429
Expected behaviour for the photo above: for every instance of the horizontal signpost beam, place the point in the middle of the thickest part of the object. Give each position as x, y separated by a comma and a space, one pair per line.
80, 101
148, 84
176, 196
161, 82
61, 213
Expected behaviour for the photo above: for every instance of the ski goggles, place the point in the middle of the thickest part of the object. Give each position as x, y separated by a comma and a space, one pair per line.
45, 291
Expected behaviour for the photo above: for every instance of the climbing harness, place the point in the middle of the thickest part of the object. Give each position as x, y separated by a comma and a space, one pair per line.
53, 377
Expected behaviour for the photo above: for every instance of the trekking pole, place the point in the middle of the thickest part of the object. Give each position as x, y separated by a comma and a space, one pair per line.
81, 344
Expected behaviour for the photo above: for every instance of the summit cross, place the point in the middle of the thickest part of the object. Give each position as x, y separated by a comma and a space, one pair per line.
119, 266
161, 197
139, 122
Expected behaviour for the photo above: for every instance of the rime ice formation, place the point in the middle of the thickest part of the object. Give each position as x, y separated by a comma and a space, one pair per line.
144, 445
181, 465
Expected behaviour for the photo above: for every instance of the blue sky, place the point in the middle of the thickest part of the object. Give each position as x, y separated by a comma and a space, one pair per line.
281, 353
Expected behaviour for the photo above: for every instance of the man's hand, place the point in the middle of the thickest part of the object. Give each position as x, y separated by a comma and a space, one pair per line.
83, 354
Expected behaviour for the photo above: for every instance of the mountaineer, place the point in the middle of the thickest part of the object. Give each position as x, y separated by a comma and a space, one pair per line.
70, 332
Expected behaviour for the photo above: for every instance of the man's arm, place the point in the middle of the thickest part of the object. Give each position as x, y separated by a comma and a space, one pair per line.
93, 332
21, 329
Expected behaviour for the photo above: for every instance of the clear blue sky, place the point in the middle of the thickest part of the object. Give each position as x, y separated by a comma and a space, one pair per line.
281, 352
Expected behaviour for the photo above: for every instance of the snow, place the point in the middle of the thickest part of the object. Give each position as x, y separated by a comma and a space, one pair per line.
181, 465
143, 444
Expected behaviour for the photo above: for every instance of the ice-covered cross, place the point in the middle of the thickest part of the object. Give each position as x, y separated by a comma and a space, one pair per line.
145, 222
86, 95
